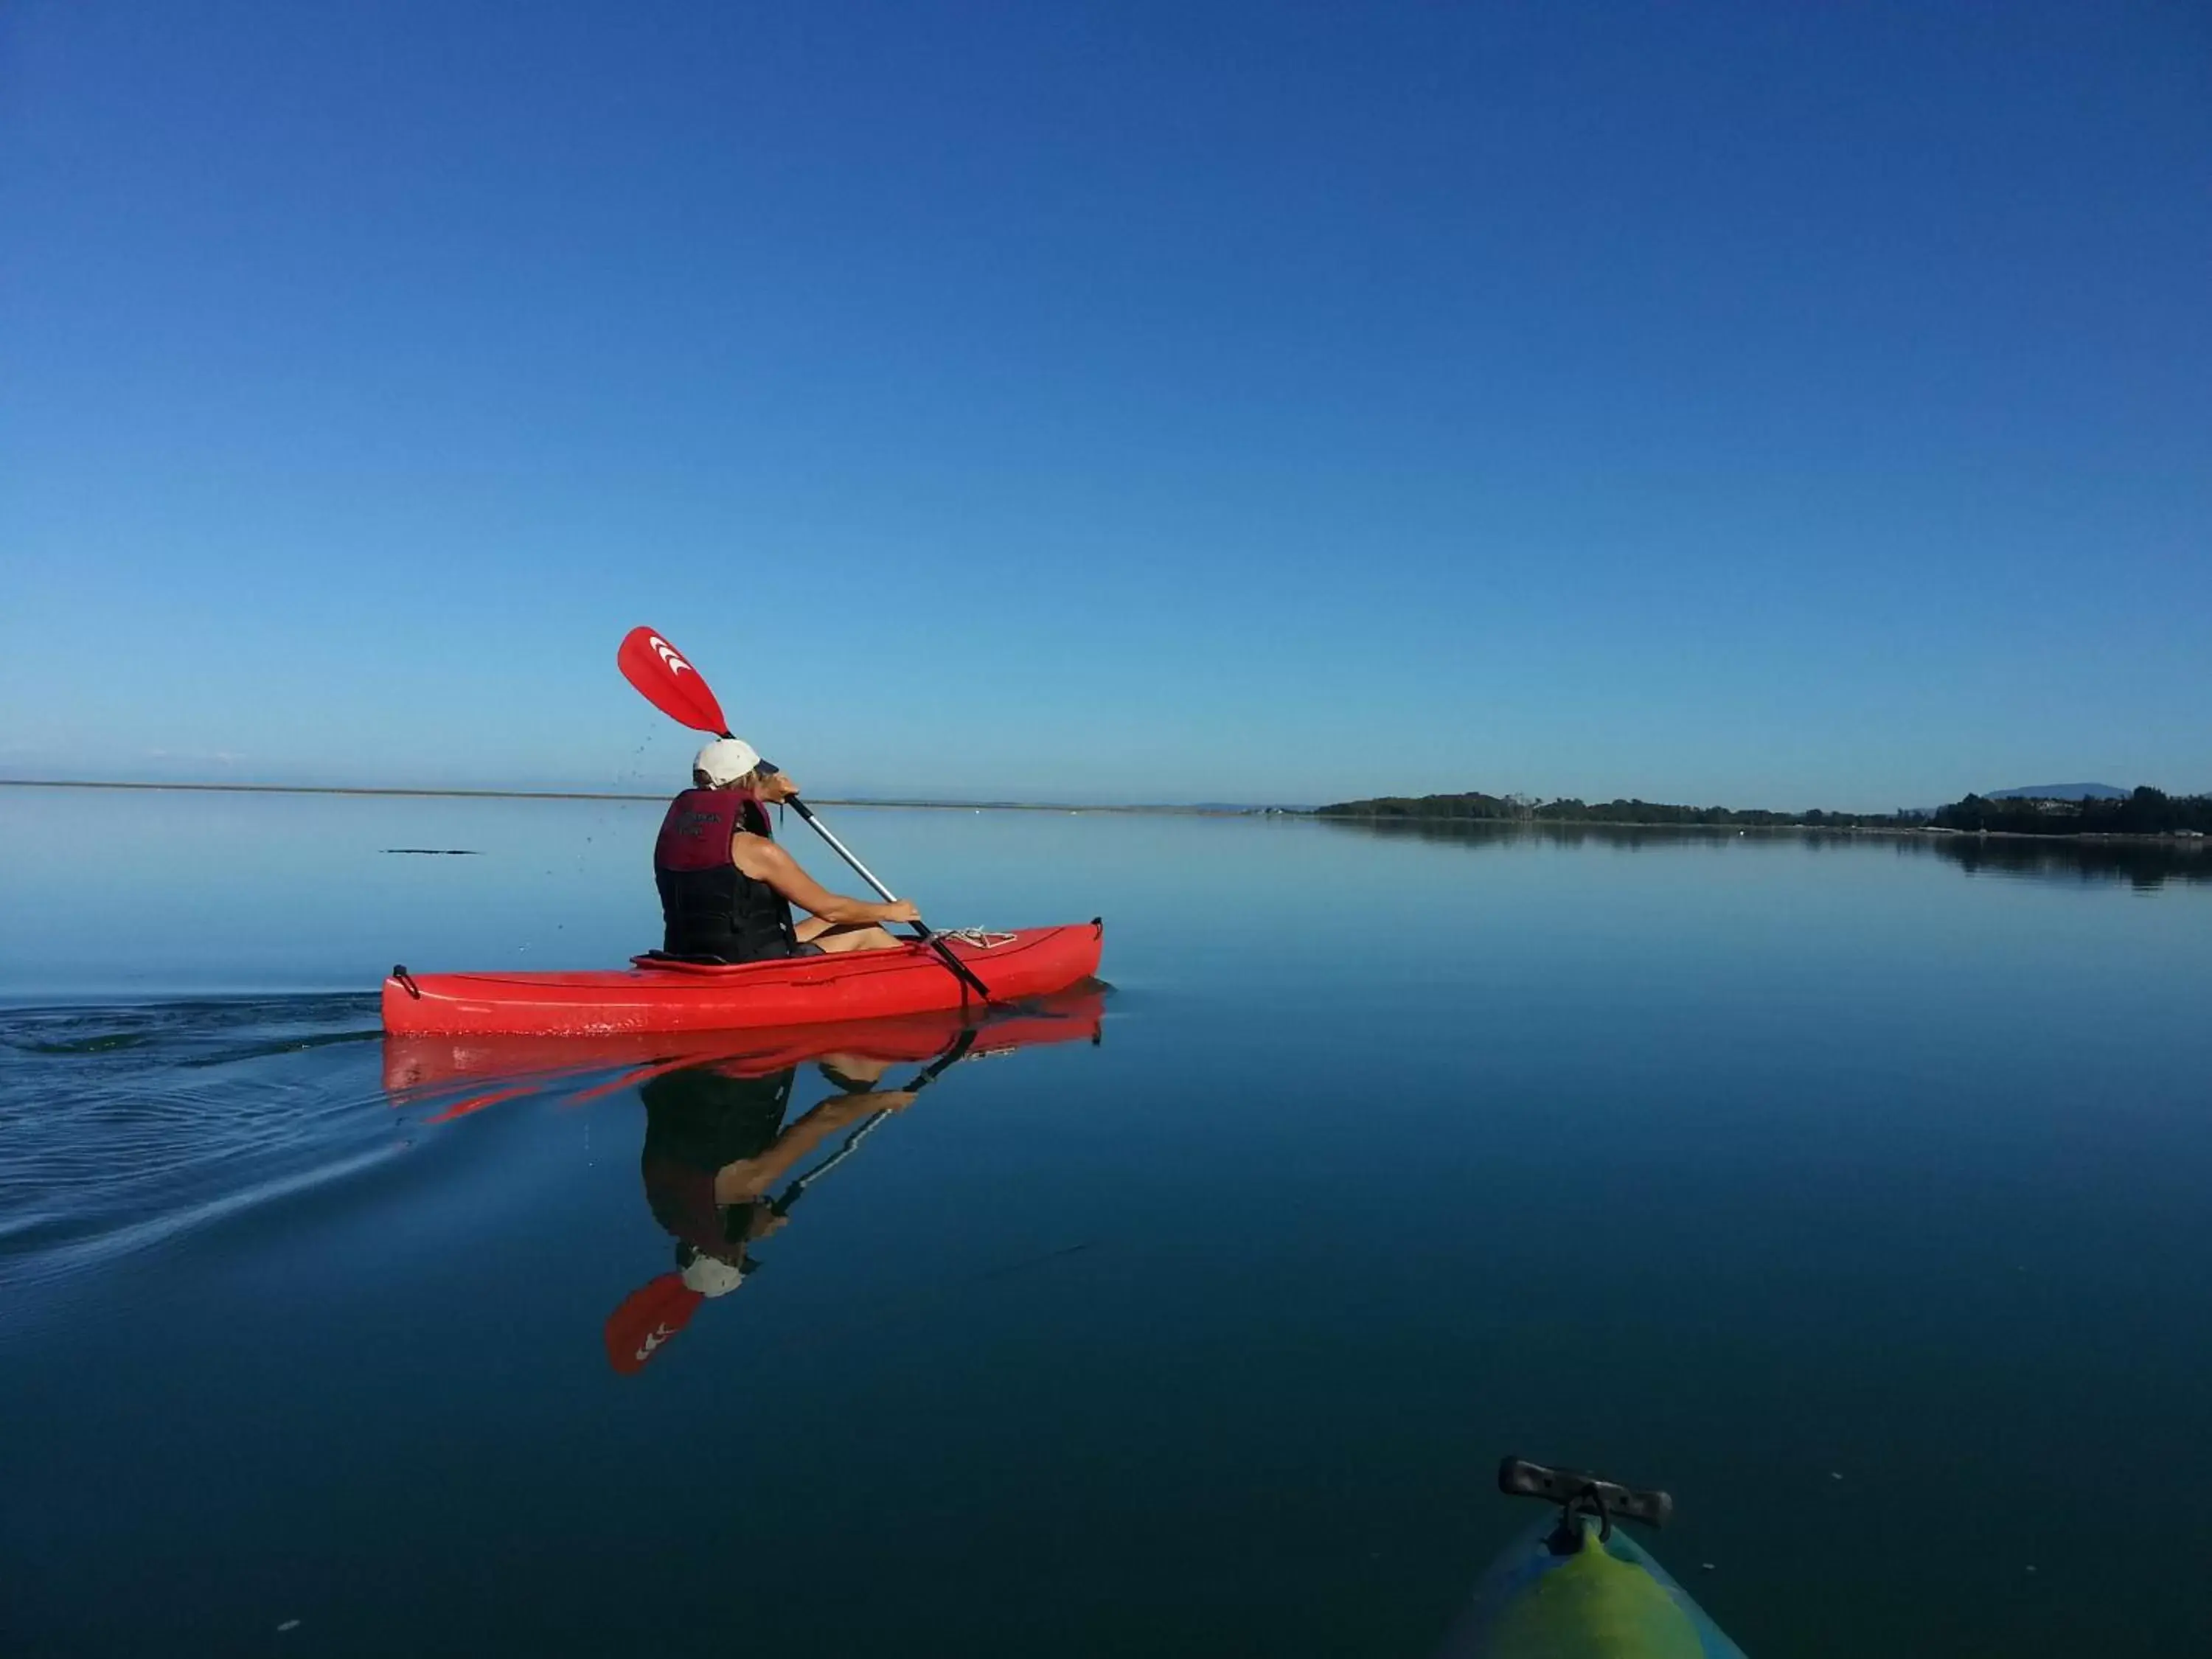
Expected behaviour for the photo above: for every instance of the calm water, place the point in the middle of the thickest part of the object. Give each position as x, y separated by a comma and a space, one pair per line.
1857, 1192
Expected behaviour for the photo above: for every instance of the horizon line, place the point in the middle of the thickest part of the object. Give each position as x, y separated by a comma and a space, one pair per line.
1216, 810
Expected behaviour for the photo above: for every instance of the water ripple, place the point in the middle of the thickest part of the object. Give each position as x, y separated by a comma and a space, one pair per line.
123, 1127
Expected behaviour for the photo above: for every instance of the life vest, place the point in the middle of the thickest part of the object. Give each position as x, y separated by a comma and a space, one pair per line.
708, 907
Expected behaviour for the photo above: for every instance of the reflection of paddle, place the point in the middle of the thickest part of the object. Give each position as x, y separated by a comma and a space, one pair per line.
650, 1314
929, 1073
667, 681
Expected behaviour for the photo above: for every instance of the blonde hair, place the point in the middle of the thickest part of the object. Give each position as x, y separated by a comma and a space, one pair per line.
750, 782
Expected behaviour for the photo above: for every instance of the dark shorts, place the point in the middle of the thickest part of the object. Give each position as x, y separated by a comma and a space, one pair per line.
710, 958
780, 952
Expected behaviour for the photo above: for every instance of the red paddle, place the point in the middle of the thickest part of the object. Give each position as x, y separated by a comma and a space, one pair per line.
669, 682
664, 677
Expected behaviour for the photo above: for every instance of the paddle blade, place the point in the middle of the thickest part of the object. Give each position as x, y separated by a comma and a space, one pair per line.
668, 682
648, 1316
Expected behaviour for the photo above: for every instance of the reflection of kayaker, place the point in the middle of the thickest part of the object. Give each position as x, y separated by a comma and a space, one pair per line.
1577, 1586
715, 1146
717, 1149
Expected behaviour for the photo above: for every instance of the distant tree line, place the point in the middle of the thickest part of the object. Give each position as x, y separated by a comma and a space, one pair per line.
2146, 813
1475, 807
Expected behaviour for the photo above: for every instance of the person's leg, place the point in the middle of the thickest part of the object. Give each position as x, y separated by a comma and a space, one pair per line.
853, 1073
832, 940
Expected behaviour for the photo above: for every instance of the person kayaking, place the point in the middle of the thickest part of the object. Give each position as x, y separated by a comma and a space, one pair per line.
727, 889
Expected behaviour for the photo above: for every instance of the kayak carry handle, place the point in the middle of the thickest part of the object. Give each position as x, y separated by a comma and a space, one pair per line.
1577, 1489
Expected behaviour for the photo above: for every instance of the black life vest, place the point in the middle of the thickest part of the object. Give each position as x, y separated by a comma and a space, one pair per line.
708, 907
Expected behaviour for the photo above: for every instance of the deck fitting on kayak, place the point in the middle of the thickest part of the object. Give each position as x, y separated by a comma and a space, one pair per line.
1578, 1493
399, 972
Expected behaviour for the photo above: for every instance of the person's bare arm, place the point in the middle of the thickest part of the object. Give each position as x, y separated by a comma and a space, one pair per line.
763, 861
751, 1177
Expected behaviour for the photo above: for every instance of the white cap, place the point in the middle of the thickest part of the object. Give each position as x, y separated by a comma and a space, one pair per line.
725, 760
709, 1276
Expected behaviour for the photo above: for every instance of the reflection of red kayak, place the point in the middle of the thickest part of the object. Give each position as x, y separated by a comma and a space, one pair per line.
418, 1063
790, 991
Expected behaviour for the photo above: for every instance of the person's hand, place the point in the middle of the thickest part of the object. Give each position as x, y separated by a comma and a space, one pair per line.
901, 910
892, 1100
739, 1182
764, 1223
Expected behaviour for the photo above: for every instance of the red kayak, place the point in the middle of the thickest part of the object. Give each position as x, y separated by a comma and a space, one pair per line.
664, 996
424, 1061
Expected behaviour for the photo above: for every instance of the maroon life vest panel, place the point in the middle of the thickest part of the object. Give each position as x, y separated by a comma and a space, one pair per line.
696, 834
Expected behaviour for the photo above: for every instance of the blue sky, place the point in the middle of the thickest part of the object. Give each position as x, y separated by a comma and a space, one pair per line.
1779, 406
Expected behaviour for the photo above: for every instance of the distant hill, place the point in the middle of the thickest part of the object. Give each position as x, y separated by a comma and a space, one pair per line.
2057, 792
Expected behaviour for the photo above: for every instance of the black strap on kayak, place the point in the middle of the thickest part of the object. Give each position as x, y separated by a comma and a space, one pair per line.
1589, 1499
407, 980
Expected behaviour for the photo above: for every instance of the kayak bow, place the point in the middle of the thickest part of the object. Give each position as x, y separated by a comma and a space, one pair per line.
1578, 1587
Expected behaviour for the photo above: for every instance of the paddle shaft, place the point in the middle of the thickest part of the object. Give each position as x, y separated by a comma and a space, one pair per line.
797, 1188
920, 932
929, 1073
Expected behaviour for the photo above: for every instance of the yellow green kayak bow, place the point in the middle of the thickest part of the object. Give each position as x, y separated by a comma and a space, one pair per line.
1578, 1587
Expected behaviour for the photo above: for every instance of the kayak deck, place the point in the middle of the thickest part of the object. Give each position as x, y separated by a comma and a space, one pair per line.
785, 991
1608, 1600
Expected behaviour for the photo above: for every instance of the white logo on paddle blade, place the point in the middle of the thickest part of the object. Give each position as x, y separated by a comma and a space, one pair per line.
676, 664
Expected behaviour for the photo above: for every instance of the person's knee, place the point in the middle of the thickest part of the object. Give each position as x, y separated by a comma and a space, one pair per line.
840, 940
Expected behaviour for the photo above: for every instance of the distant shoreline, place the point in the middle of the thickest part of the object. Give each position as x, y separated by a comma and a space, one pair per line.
1307, 814
2143, 814
608, 795
1896, 831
